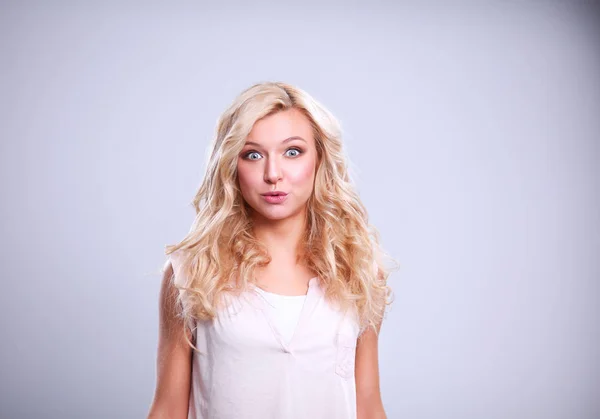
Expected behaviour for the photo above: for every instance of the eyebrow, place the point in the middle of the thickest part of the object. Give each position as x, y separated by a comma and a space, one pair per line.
287, 140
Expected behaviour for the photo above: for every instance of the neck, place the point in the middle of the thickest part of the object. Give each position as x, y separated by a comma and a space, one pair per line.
281, 237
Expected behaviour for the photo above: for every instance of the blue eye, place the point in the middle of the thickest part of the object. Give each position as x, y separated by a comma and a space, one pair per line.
298, 152
247, 155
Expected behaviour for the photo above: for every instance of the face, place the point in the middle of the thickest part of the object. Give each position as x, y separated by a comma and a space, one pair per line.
279, 155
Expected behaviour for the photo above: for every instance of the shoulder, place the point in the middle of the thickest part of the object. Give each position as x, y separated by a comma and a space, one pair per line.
168, 291
170, 307
173, 270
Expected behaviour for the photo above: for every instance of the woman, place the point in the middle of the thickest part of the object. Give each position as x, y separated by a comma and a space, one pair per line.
272, 304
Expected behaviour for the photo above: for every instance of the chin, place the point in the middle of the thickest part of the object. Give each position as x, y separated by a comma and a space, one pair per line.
276, 213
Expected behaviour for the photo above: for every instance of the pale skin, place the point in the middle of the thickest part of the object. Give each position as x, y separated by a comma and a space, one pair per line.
279, 154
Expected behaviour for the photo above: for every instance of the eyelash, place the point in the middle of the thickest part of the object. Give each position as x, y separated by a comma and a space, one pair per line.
245, 156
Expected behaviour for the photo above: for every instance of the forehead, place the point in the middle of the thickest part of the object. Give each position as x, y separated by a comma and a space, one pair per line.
276, 127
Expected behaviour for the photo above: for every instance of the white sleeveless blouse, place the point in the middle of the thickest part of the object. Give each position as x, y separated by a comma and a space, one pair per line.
286, 310
247, 368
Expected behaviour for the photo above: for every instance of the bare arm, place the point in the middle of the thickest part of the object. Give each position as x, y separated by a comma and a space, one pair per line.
368, 395
174, 357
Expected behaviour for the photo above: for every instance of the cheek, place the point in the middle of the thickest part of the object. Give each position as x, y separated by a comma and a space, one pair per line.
304, 174
245, 178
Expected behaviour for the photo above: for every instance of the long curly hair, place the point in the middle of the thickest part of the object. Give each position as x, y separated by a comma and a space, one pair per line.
220, 253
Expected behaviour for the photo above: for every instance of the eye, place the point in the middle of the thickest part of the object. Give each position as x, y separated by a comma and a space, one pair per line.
249, 155
296, 151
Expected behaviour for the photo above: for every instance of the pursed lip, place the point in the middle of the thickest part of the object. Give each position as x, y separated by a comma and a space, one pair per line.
274, 193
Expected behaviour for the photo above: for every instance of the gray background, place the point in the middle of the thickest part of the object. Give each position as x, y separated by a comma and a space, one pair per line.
473, 131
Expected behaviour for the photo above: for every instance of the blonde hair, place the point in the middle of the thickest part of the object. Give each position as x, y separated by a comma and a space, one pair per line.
340, 246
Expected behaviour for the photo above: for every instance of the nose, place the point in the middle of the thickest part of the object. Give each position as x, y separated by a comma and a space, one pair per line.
272, 171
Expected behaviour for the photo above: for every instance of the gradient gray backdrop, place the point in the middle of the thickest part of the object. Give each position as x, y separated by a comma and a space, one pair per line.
473, 131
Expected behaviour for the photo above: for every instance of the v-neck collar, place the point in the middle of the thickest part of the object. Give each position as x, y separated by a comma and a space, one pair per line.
312, 298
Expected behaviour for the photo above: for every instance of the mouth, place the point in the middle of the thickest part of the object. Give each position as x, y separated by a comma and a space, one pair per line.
276, 193
274, 197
